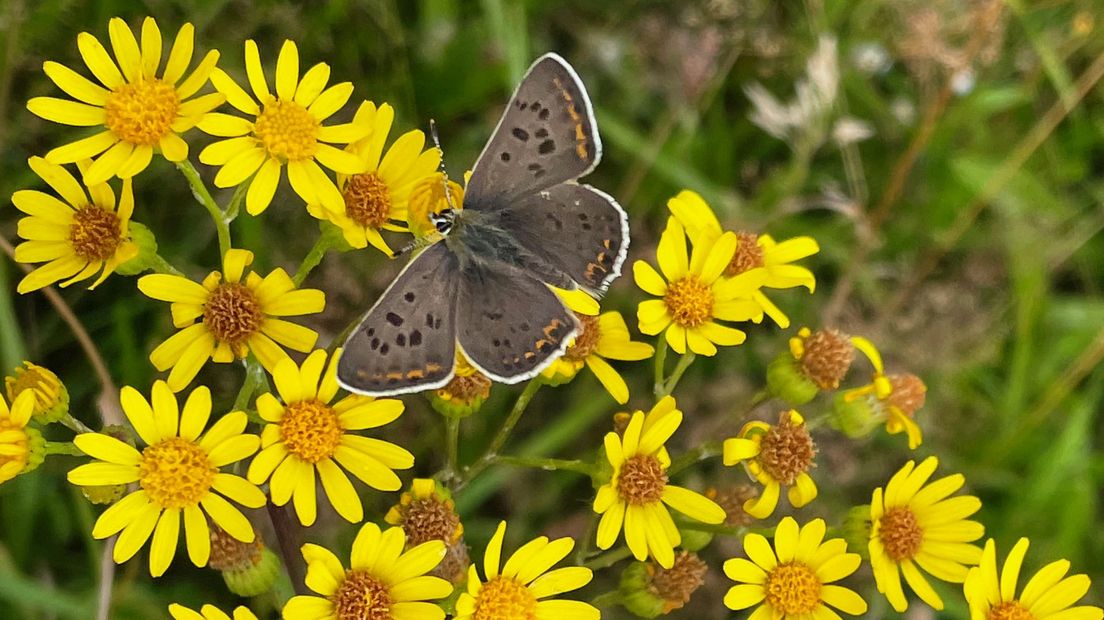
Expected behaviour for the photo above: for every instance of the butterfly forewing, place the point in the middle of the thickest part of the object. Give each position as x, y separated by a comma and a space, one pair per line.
575, 228
510, 325
547, 135
407, 341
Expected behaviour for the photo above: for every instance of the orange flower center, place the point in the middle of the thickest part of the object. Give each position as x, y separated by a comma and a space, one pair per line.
786, 450
310, 430
689, 301
642, 479
1012, 610
675, 585
587, 341
367, 200
176, 473
46, 386
287, 130
504, 597
909, 393
430, 518
793, 588
748, 256
232, 313
900, 533
362, 597
95, 233
827, 357
142, 112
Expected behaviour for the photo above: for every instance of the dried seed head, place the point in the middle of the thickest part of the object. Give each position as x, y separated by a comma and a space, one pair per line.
827, 357
787, 450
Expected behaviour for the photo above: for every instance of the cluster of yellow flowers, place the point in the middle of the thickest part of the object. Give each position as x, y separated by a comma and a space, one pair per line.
178, 465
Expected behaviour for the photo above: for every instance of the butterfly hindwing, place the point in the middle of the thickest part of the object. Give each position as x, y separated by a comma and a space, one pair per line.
577, 229
546, 136
407, 341
510, 325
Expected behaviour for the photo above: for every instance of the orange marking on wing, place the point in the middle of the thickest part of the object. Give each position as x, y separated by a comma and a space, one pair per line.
580, 131
415, 374
433, 368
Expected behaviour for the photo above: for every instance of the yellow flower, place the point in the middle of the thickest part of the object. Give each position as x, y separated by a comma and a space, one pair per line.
306, 434
75, 237
229, 315
896, 397
917, 526
1048, 595
139, 112
378, 196
637, 493
777, 456
515, 589
15, 437
209, 612
382, 582
752, 251
600, 338
793, 580
51, 397
427, 197
464, 394
694, 295
286, 129
178, 474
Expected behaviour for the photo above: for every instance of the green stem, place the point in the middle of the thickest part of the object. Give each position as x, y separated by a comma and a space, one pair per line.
62, 447
707, 450
73, 424
504, 432
606, 600
683, 363
235, 201
452, 446
583, 551
660, 366
203, 196
254, 378
608, 558
311, 260
547, 464
160, 265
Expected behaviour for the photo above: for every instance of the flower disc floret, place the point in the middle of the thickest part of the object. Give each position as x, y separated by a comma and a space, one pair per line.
142, 112
310, 430
362, 597
176, 473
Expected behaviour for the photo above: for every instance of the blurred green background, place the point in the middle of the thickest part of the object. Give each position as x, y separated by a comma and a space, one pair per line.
958, 206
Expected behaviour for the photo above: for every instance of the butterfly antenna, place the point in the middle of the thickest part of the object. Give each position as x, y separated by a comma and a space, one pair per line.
441, 168
417, 244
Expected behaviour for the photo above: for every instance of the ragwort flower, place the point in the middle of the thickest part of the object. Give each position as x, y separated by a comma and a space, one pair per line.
306, 435
286, 129
75, 237
694, 295
917, 526
381, 583
777, 456
378, 196
178, 474
138, 111
17, 441
51, 397
752, 252
637, 495
893, 399
1048, 595
600, 338
230, 314
209, 612
793, 580
515, 589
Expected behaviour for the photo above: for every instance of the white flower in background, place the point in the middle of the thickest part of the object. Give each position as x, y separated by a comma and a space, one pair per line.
871, 58
962, 82
814, 96
903, 109
849, 130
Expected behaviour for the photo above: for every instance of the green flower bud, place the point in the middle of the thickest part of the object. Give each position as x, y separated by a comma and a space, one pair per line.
786, 380
856, 530
254, 579
36, 450
854, 417
51, 398
695, 540
636, 593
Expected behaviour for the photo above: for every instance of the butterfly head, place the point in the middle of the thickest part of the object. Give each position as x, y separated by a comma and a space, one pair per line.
443, 220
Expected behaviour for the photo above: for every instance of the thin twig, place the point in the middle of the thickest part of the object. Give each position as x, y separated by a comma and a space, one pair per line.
1019, 156
107, 580
289, 536
108, 402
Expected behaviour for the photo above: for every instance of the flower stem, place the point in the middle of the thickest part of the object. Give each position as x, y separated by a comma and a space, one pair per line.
311, 260
608, 599
707, 450
503, 433
547, 464
203, 196
62, 447
254, 378
236, 200
683, 363
160, 265
452, 446
660, 366
289, 536
608, 558
73, 424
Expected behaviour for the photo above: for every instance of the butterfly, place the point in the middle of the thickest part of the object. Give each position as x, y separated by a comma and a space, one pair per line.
483, 287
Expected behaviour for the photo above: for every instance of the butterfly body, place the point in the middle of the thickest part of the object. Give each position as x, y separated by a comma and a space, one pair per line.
526, 223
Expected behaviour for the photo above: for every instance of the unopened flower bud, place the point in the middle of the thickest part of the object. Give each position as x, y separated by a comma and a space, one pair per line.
648, 590
249, 569
786, 381
855, 415
51, 398
856, 530
109, 493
